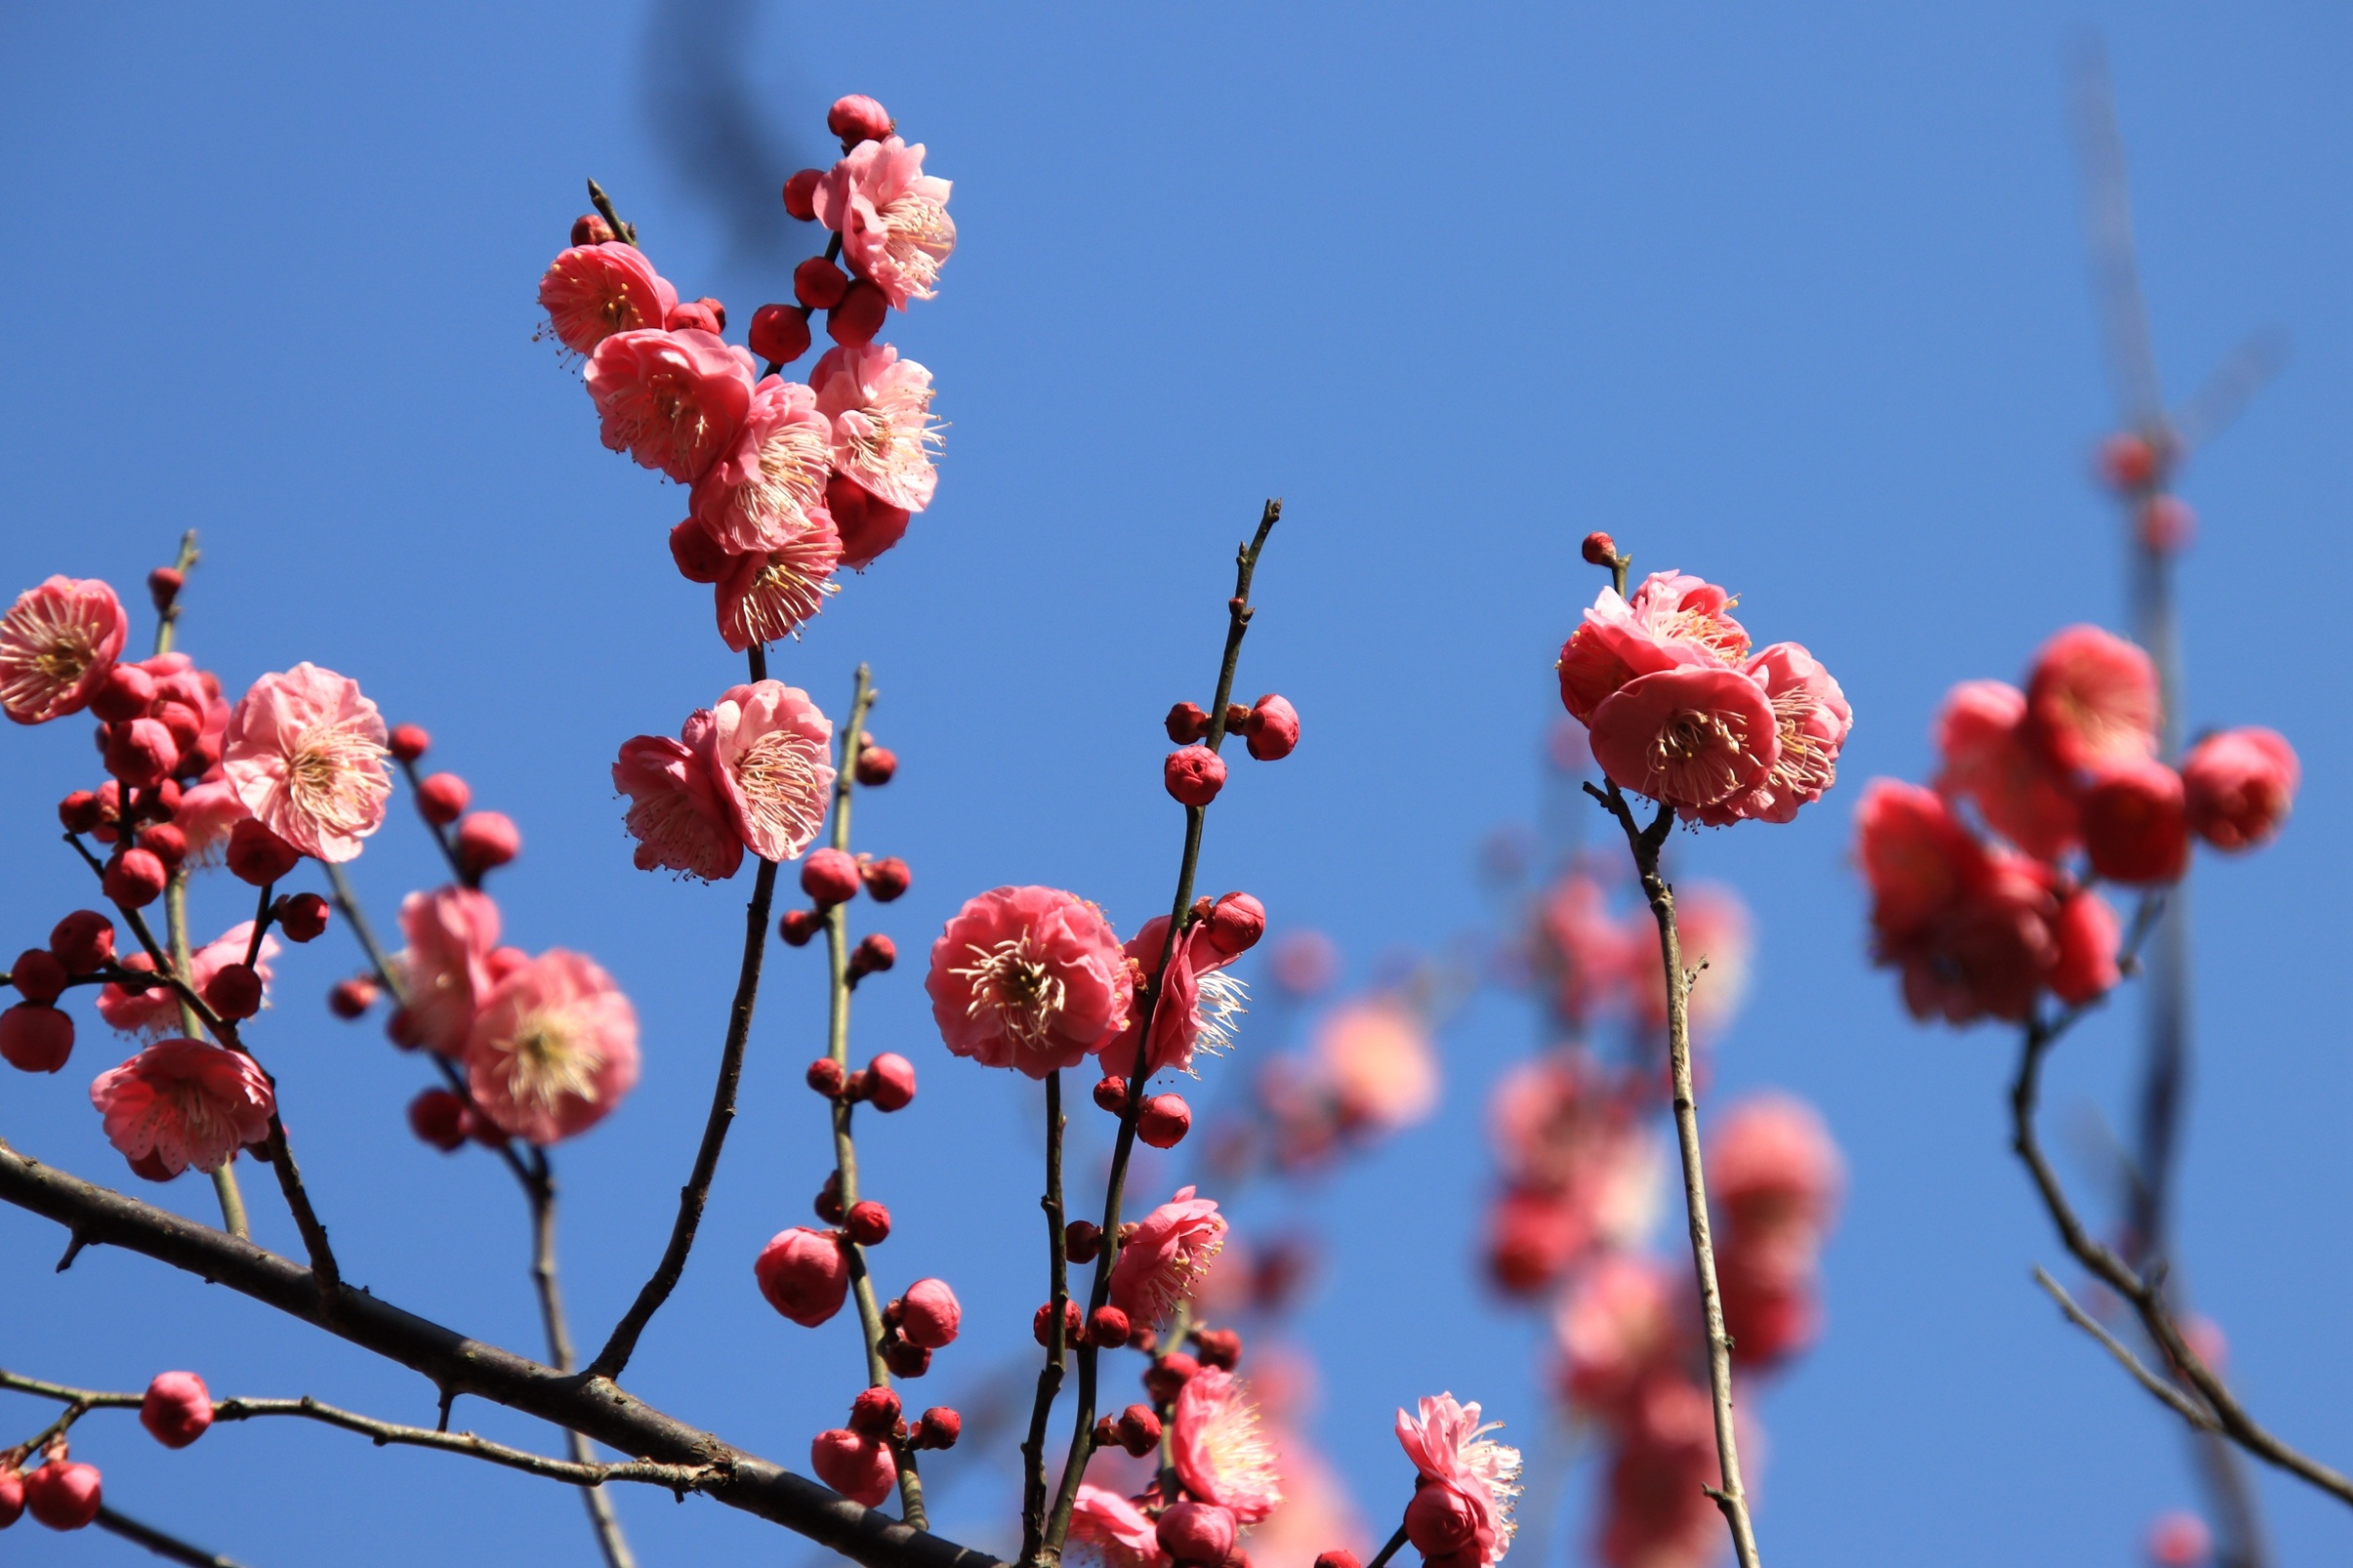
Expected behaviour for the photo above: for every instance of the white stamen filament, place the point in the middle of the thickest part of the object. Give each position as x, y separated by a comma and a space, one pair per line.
1024, 992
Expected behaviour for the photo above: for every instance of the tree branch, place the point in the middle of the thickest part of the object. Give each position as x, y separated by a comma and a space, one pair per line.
170, 1548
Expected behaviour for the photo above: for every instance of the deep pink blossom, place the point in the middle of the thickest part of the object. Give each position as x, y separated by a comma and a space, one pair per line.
1222, 1455
1114, 1529
1162, 1261
2092, 699
1028, 977
1199, 1003
184, 1105
2136, 827
208, 811
1451, 1450
673, 400
883, 430
675, 812
553, 1050
451, 933
1969, 927
305, 753
1990, 757
1672, 621
892, 217
1811, 721
803, 1274
767, 488
592, 292
57, 644
868, 525
1688, 737
2089, 937
768, 595
854, 1464
2239, 785
155, 1013
765, 747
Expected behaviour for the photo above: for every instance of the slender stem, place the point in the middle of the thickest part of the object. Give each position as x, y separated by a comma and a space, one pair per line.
168, 1547
175, 928
1395, 1544
623, 232
1646, 842
441, 835
169, 618
602, 1518
357, 918
1057, 1294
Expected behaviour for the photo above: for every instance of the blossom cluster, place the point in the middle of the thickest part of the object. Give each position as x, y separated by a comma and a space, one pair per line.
1983, 915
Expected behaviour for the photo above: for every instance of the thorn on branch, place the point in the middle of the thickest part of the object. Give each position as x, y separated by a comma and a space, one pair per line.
73, 1250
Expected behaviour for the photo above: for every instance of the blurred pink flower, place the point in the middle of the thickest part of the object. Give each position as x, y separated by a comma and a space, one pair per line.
1316, 1514
673, 400
767, 749
1170, 1249
1028, 977
1376, 1058
1990, 758
155, 1013
183, 1103
1772, 1166
1654, 1513
451, 933
892, 217
57, 642
1620, 1322
1583, 952
769, 488
2092, 699
2238, 786
207, 811
883, 431
675, 812
305, 753
590, 292
1305, 961
1222, 1455
1451, 1450
553, 1050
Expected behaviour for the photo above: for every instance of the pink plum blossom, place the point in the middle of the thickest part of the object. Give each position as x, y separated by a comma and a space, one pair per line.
1619, 1324
1451, 1450
155, 1013
1991, 757
673, 400
590, 292
57, 644
892, 217
1222, 1455
1772, 1166
1198, 1005
1811, 720
883, 431
1689, 737
451, 933
2092, 699
766, 595
1584, 954
553, 1050
1028, 977
1114, 1529
1672, 621
1376, 1058
305, 753
765, 747
1170, 1249
2239, 785
674, 811
208, 809
769, 488
182, 1105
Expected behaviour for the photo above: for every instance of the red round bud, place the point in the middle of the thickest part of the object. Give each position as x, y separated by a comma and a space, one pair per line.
929, 1315
1138, 1429
80, 812
1341, 1558
875, 764
1600, 550
439, 1116
303, 918
1171, 1373
875, 1412
162, 802
1164, 1120
1440, 1522
829, 1199
874, 954
2135, 823
801, 194
164, 584
62, 1496
183, 724
135, 878
799, 925
36, 1038
1107, 1327
176, 1409
691, 315
141, 752
1041, 1323
351, 999
1106, 1432
234, 992
258, 856
1111, 1094
939, 1427
2130, 463
488, 840
1082, 1240
860, 316
868, 1222
125, 694
2164, 524
906, 1359
401, 1028
1272, 731
853, 1464
1236, 924
803, 1274
442, 799
858, 119
37, 976
408, 742
1217, 1348
1187, 724
825, 1076
591, 229
166, 843
11, 1491
83, 941
829, 877
890, 1082
779, 334
819, 284
887, 879
1196, 1534
1193, 775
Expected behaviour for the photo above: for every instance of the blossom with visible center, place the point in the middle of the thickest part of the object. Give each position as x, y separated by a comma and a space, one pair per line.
1113, 1530
1689, 737
768, 751
767, 488
57, 644
1672, 621
156, 1012
675, 812
883, 430
768, 595
1170, 1250
1811, 721
673, 400
2092, 699
184, 1105
892, 217
445, 969
305, 753
1028, 977
1991, 757
1222, 1453
553, 1050
1450, 1449
1198, 1008
590, 292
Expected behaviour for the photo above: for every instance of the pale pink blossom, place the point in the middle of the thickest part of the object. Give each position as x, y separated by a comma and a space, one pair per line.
1376, 1058
1688, 737
892, 217
155, 1013
1772, 1166
1170, 1249
1199, 1003
451, 933
2092, 699
675, 812
882, 433
57, 644
1222, 1453
1619, 1324
767, 488
1991, 757
673, 400
1811, 720
1672, 621
1113, 1530
553, 1050
183, 1103
590, 292
305, 753
1450, 1449
767, 749
766, 595
207, 811
1028, 977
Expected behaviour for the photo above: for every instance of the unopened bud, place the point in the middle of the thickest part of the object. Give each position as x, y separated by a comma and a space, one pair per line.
591, 229
163, 588
37, 976
829, 1200
1106, 1432
81, 811
779, 334
868, 1222
874, 954
860, 316
1193, 775
1041, 1323
819, 284
134, 878
303, 918
408, 742
1164, 1120
874, 1411
890, 1082
442, 798
801, 194
350, 999
939, 1427
1600, 550
857, 118
127, 693
1111, 1094
1107, 1327
258, 856
234, 992
1170, 1373
1187, 724
829, 877
1082, 1240
1138, 1429
1217, 1348
486, 841
83, 941
906, 1360
799, 925
439, 1116
875, 764
887, 879
825, 1075
166, 843
1272, 729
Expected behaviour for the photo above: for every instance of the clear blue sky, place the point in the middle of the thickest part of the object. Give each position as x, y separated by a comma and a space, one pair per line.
1799, 303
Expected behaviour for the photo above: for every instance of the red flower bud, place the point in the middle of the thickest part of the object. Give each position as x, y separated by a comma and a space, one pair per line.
1106, 1432
906, 1359
875, 764
801, 194
141, 752
62, 1496
1344, 1558
868, 1222
1164, 1120
1273, 729
1171, 1373
887, 879
803, 1274
163, 587
2166, 523
1111, 1094
37, 976
874, 954
1236, 924
1041, 1323
83, 941
258, 856
486, 841
2135, 823
442, 799
853, 1464
860, 316
351, 999
1197, 1535
1439, 1522
125, 694
825, 1076
691, 315
408, 742
1082, 1240
439, 1116
1107, 1327
303, 918
2238, 786
1218, 1347
890, 1082
183, 724
779, 334
1237, 719
858, 119
875, 1412
1193, 775
591, 229
166, 843
2130, 463
80, 812
1138, 1429
234, 992
12, 1493
929, 1315
134, 878
176, 1409
402, 1030
1187, 724
939, 1427
1600, 550
36, 1038
799, 925
829, 877
819, 284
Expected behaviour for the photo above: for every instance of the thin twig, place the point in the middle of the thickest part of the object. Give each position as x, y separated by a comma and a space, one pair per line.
170, 1548
2167, 1394
1396, 1544
544, 1281
1057, 1293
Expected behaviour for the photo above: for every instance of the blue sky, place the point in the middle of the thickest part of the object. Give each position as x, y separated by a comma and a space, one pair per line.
1799, 302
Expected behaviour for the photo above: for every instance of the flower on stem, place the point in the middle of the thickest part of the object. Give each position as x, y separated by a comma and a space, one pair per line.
1222, 1455
184, 1105
1114, 1529
1621, 1323
590, 292
883, 430
156, 1012
769, 487
672, 400
1199, 1003
675, 811
1162, 1261
57, 642
892, 217
1672, 621
451, 933
765, 748
1468, 1523
1991, 756
1689, 737
765, 596
305, 753
1811, 720
1028, 977
553, 1050
2092, 699
2238, 786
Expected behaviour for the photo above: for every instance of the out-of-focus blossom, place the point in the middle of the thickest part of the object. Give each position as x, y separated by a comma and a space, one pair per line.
2137, 826
767, 749
57, 642
305, 753
451, 933
1620, 1322
2178, 1538
1656, 1513
1990, 758
553, 1050
1305, 961
2090, 939
184, 1105
1711, 924
2238, 786
1585, 956
1028, 977
2092, 699
1222, 1455
1113, 1530
1316, 1513
1376, 1059
892, 217
590, 292
156, 1012
1772, 1165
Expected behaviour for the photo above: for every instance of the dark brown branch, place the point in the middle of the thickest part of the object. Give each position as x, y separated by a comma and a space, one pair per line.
170, 1548
1057, 1292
